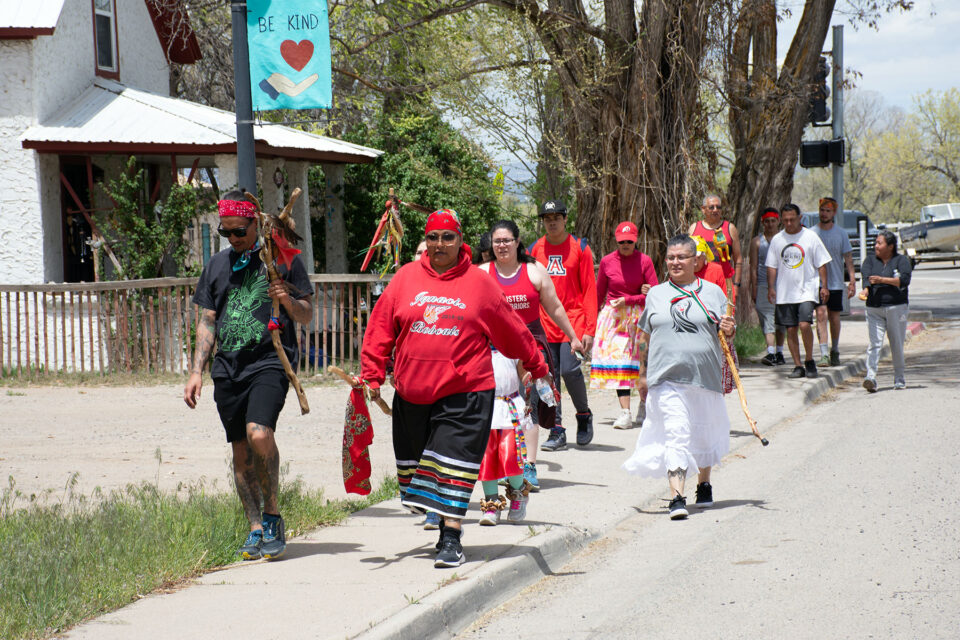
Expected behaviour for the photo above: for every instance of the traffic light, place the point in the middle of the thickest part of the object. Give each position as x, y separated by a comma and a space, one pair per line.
819, 111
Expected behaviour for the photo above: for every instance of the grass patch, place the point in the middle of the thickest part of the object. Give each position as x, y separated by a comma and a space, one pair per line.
749, 341
72, 557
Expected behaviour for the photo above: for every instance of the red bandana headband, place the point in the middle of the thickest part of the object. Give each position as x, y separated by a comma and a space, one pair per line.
443, 220
239, 208
770, 213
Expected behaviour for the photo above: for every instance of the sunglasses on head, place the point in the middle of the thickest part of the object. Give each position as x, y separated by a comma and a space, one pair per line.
237, 233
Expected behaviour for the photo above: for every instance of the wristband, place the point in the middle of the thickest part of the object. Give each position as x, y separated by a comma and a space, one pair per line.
736, 284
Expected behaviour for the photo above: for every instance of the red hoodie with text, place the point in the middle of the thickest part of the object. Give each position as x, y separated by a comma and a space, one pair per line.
442, 325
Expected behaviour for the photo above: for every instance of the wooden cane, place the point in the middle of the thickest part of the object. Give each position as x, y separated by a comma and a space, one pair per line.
352, 381
736, 381
266, 256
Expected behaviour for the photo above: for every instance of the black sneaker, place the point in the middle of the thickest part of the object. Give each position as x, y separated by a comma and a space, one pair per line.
557, 440
704, 495
834, 358
780, 359
678, 508
451, 551
798, 372
584, 428
274, 537
811, 368
769, 360
250, 549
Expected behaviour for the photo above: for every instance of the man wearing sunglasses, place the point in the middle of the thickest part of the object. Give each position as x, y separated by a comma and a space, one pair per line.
724, 242
249, 383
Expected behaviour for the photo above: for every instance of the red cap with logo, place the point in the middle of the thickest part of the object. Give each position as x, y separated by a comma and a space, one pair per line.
626, 231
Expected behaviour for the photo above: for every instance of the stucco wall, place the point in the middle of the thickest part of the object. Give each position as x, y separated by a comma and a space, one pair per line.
21, 229
142, 62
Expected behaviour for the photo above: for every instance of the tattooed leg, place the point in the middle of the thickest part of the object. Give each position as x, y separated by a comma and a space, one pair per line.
677, 478
248, 486
266, 460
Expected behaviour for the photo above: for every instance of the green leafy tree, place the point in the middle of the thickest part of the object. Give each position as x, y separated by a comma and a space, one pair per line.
147, 240
427, 162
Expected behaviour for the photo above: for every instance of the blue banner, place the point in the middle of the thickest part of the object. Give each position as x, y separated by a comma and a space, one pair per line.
289, 43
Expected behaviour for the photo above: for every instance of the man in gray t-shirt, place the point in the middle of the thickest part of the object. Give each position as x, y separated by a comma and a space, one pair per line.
837, 242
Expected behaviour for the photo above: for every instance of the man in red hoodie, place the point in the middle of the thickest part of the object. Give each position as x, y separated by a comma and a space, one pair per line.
569, 262
441, 314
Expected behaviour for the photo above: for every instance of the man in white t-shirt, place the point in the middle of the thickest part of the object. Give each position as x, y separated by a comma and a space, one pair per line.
796, 281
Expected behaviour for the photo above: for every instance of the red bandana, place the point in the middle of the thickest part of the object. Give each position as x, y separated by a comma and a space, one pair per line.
443, 220
239, 208
357, 437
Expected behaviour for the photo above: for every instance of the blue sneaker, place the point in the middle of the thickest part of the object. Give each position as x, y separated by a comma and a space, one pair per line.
274, 537
251, 547
432, 521
530, 475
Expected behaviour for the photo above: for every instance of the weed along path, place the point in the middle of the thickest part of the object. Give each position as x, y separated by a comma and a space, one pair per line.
110, 436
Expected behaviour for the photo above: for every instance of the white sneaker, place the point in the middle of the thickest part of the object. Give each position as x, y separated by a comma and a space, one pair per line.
625, 421
490, 518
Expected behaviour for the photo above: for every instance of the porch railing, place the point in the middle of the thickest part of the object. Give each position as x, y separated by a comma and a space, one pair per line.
149, 326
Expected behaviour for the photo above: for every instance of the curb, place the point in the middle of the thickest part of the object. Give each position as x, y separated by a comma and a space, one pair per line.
450, 609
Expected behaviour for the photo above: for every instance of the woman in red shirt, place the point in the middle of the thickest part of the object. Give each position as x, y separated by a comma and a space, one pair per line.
528, 287
441, 314
623, 280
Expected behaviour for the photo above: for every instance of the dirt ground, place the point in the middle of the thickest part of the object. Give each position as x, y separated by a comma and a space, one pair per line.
111, 436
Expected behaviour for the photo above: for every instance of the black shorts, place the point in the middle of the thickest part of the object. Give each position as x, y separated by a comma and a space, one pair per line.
835, 301
792, 314
258, 399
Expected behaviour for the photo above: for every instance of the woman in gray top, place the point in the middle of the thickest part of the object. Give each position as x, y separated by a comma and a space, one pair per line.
686, 427
886, 278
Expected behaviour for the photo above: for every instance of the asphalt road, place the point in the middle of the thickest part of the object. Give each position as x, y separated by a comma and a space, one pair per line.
845, 527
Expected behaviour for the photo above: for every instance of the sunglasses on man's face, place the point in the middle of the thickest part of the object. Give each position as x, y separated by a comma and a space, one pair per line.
237, 233
436, 238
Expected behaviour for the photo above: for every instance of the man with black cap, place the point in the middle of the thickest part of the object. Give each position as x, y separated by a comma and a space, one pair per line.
569, 262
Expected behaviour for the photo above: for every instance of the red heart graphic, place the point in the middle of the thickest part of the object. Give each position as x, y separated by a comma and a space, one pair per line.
297, 54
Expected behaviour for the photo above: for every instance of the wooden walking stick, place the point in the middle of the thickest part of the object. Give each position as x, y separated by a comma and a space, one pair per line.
736, 381
270, 227
357, 383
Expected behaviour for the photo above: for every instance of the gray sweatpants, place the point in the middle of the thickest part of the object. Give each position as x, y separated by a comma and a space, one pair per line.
569, 369
891, 320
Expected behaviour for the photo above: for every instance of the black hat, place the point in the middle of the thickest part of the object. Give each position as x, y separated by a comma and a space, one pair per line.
553, 206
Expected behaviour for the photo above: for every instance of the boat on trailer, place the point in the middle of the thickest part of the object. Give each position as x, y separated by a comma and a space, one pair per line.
937, 231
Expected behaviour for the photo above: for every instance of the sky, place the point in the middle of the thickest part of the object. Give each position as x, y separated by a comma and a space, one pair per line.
907, 54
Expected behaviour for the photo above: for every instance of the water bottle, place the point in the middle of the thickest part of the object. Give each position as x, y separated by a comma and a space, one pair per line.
546, 392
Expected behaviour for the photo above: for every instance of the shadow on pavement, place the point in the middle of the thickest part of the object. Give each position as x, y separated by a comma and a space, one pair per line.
297, 549
554, 483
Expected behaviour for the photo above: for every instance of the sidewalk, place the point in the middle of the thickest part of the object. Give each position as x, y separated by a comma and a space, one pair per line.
373, 576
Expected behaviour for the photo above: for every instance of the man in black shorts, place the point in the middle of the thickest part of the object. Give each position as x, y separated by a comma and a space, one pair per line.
249, 384
837, 242
796, 280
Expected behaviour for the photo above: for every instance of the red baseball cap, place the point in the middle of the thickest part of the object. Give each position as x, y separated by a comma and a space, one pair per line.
626, 231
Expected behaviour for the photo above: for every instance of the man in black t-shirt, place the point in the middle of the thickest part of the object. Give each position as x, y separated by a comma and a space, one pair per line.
249, 383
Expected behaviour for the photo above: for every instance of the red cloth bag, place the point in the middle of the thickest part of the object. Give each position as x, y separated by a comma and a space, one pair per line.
357, 438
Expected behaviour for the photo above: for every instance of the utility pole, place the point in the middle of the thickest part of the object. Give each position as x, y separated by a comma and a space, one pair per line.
246, 152
838, 112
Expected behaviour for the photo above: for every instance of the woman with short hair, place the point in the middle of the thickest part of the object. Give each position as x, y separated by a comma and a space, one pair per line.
686, 429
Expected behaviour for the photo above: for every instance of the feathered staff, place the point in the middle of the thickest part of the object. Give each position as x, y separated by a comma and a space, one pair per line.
736, 380
389, 234
277, 232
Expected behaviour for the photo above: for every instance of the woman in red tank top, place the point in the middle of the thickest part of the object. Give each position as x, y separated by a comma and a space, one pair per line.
528, 287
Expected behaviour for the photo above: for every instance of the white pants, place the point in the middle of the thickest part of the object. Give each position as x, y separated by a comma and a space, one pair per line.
891, 320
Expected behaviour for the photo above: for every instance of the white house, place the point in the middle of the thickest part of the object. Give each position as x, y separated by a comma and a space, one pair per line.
83, 85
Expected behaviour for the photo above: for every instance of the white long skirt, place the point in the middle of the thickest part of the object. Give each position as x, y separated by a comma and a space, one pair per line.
686, 428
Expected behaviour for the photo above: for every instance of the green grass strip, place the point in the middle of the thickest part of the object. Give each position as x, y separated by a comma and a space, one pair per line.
749, 341
81, 557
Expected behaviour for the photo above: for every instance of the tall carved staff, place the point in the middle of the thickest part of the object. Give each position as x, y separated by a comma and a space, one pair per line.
736, 380
271, 228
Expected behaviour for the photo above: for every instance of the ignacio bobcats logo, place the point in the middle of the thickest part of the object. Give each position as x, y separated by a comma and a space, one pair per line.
432, 312
555, 266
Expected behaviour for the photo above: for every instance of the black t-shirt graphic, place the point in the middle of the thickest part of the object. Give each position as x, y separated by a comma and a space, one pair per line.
243, 309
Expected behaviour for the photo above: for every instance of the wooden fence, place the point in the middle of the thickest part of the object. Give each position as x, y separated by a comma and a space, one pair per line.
149, 326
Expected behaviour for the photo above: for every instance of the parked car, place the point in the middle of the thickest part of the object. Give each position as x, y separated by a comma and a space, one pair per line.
848, 220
